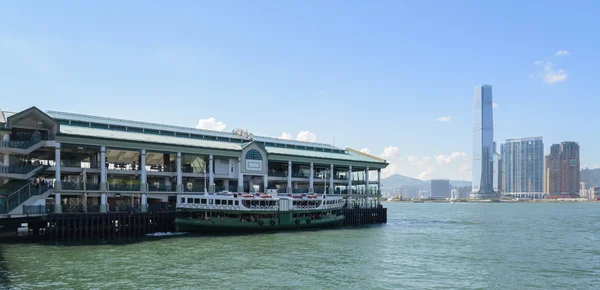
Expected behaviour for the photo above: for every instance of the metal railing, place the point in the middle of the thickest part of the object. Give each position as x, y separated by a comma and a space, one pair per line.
123, 187
38, 209
194, 188
18, 144
161, 188
162, 168
24, 193
68, 185
19, 169
277, 173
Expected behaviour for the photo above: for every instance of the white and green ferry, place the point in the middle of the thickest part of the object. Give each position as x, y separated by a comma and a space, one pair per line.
248, 212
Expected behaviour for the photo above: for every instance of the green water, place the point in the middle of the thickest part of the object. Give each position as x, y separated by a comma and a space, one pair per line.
423, 246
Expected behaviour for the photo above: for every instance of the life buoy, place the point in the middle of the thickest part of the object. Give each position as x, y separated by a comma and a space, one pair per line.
307, 221
272, 223
261, 223
297, 222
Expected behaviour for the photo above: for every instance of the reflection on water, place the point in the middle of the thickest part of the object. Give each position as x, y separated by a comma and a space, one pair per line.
472, 246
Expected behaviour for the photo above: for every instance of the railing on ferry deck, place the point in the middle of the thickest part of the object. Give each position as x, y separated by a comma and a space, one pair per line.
93, 208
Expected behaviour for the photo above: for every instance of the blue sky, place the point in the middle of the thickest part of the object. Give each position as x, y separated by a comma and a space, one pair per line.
375, 75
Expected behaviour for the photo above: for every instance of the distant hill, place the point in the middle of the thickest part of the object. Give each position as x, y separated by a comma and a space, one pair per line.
401, 181
591, 177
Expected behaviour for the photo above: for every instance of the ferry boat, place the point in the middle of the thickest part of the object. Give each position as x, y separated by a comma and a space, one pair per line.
249, 212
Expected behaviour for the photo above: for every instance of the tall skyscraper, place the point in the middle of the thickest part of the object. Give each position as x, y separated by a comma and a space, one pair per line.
523, 165
483, 144
561, 169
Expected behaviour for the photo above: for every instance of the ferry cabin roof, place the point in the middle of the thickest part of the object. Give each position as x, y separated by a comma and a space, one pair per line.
154, 158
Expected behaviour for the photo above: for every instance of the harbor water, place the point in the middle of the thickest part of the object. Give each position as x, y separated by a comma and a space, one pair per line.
422, 246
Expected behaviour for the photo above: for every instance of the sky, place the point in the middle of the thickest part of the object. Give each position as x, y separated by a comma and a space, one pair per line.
392, 78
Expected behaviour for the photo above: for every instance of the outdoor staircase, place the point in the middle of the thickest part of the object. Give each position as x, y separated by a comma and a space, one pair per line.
22, 172
21, 147
26, 195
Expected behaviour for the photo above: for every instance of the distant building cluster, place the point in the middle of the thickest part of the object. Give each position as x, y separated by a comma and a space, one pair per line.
520, 168
440, 188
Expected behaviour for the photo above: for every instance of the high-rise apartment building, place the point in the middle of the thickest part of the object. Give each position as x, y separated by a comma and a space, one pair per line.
483, 143
523, 160
561, 169
440, 188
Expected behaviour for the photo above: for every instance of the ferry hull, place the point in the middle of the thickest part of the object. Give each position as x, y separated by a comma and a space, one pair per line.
216, 225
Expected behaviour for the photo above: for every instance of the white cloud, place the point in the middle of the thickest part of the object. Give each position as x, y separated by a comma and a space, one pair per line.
390, 151
562, 53
425, 173
389, 170
365, 150
414, 160
444, 119
443, 159
285, 136
211, 124
306, 136
495, 105
537, 62
426, 158
549, 74
465, 167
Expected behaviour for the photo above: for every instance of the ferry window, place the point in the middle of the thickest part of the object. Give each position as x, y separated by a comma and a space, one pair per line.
196, 200
254, 155
203, 201
230, 202
236, 202
183, 200
217, 201
210, 201
190, 200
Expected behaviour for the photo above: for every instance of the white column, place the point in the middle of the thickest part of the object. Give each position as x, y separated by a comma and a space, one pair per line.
103, 175
6, 138
144, 202
103, 202
367, 180
179, 174
289, 177
266, 182
331, 187
378, 181
378, 186
57, 205
57, 177
311, 185
168, 183
211, 176
350, 180
143, 179
240, 176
